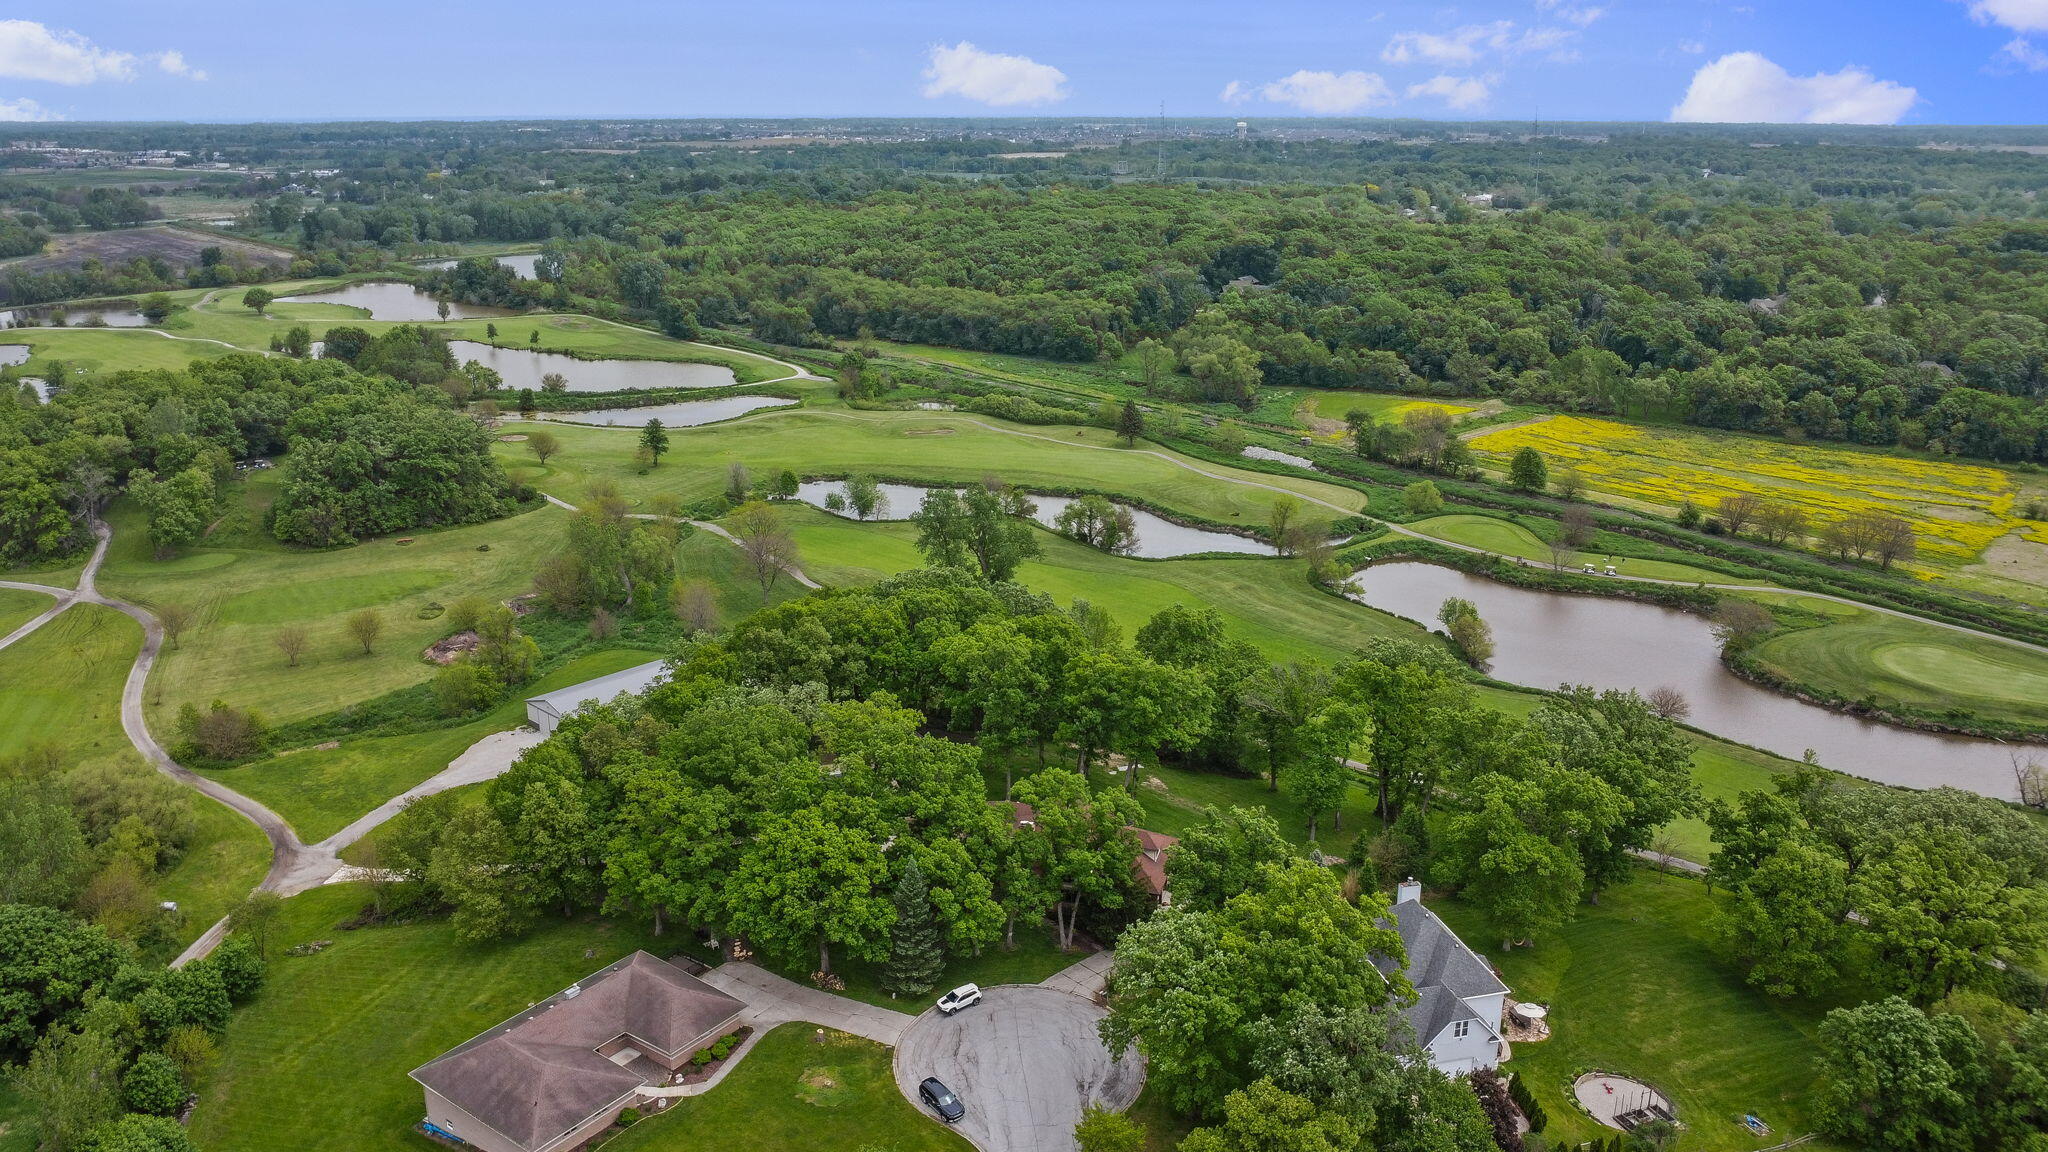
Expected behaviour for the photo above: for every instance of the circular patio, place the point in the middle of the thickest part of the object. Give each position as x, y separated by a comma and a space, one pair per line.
1621, 1103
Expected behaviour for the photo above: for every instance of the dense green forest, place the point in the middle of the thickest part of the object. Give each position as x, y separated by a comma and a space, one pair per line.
367, 453
1872, 289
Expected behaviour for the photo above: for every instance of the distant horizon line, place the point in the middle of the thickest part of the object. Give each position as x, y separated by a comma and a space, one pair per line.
31, 127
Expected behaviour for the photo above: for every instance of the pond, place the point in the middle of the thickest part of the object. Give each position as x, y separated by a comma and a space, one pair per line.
395, 300
73, 317
523, 368
521, 264
39, 386
1158, 537
1544, 639
1258, 453
12, 354
684, 415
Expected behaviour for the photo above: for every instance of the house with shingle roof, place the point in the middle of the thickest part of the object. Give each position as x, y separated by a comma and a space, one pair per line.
1458, 999
561, 1072
1149, 865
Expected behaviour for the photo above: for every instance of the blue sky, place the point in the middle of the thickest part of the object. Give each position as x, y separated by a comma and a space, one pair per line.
1870, 61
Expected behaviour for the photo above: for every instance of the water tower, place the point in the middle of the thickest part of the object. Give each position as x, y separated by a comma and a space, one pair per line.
1244, 130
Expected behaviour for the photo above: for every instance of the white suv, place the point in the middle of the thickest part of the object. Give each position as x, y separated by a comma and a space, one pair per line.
964, 996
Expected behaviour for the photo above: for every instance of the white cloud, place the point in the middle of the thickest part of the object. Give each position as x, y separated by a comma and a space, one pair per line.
25, 111
1329, 93
1235, 92
1691, 47
1582, 16
1746, 88
1465, 45
174, 63
1464, 93
992, 77
30, 51
2018, 15
2020, 53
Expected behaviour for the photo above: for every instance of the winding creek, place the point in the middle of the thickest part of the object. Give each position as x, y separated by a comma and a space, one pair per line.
1158, 537
1545, 639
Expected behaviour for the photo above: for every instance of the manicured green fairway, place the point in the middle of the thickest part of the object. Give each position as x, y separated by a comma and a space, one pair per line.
1266, 601
935, 446
319, 791
1633, 988
1894, 661
1510, 539
318, 1060
18, 608
102, 350
798, 1091
242, 587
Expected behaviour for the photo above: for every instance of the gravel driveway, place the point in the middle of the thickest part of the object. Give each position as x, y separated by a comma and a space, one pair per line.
1024, 1061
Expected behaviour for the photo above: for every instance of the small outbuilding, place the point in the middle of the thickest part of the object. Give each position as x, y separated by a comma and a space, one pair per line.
549, 709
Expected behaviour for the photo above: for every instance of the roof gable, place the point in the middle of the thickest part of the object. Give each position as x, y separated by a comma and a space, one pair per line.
1437, 958
538, 1075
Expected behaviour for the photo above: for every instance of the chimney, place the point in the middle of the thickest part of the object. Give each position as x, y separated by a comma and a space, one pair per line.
1408, 891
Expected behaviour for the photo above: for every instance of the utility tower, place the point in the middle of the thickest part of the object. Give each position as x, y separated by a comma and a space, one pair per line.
1159, 167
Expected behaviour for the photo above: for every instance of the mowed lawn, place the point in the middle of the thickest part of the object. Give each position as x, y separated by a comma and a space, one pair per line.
61, 686
1267, 601
1891, 661
801, 1089
320, 791
1511, 539
18, 607
102, 350
242, 587
318, 1060
1633, 988
916, 446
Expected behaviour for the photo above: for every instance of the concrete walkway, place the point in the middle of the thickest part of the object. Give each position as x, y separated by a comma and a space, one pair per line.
1084, 979
487, 759
772, 1000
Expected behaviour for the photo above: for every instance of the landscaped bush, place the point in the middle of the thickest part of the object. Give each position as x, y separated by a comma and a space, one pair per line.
1518, 1091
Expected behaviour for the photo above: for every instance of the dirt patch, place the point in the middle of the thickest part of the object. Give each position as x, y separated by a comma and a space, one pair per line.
2015, 557
929, 432
175, 246
326, 746
514, 438
523, 603
446, 651
823, 1087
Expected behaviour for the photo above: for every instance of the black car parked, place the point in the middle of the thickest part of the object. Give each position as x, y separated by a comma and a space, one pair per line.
941, 1100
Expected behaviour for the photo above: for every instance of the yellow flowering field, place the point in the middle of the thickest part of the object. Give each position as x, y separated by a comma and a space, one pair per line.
1325, 410
1957, 508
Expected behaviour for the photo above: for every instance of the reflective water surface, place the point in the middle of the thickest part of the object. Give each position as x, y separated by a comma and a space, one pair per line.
523, 368
683, 415
1158, 537
395, 300
1545, 639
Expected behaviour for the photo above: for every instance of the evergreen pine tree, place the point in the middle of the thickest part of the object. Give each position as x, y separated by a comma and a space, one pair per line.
1130, 423
915, 954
